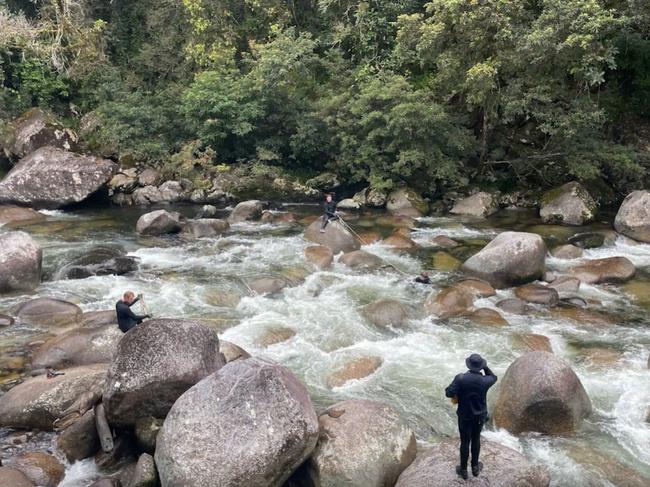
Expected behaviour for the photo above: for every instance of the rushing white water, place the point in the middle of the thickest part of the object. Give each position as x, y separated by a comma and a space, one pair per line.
209, 279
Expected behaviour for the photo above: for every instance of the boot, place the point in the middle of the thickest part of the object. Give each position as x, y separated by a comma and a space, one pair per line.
476, 469
461, 473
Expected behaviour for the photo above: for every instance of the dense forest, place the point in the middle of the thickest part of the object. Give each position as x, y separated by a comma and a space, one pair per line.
437, 94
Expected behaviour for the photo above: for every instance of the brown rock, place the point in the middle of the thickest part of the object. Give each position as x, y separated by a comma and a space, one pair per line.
232, 352
583, 316
443, 261
478, 288
398, 241
566, 284
40, 468
19, 214
449, 302
531, 342
538, 294
80, 440
361, 260
386, 313
320, 256
368, 238
275, 335
355, 369
49, 312
607, 467
444, 242
99, 318
607, 270
336, 236
10, 477
486, 316
146, 431
6, 320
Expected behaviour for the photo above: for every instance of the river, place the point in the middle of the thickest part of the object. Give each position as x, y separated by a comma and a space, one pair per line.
207, 279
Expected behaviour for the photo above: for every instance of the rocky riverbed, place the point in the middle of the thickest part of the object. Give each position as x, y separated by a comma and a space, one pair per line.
329, 331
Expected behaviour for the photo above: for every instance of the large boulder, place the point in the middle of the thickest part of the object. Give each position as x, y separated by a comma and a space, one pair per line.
510, 259
154, 364
371, 197
450, 302
570, 204
20, 262
38, 128
246, 211
607, 270
39, 401
204, 227
319, 255
10, 477
360, 260
633, 217
481, 204
540, 392
39, 467
53, 178
406, 202
386, 313
336, 236
78, 347
18, 214
361, 444
98, 261
49, 312
159, 222
254, 421
504, 467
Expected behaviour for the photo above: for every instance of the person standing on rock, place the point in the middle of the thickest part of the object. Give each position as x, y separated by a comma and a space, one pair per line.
330, 211
469, 391
127, 319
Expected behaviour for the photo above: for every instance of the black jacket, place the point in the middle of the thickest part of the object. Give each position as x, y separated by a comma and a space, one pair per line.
471, 390
330, 208
127, 319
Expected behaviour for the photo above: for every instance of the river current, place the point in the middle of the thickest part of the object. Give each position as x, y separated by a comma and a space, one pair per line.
208, 279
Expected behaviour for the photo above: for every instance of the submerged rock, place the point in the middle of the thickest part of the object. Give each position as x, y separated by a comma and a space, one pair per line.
450, 302
386, 313
487, 317
49, 312
275, 335
607, 270
510, 259
400, 241
476, 287
355, 369
361, 260
503, 467
444, 242
531, 342
361, 444
154, 364
633, 217
570, 204
52, 178
540, 392
99, 261
254, 421
10, 477
336, 236
20, 262
481, 204
159, 222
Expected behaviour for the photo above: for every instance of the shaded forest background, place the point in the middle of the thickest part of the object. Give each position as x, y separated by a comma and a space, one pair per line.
437, 94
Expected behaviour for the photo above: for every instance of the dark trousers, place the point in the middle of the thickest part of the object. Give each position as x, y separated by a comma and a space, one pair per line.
470, 437
326, 219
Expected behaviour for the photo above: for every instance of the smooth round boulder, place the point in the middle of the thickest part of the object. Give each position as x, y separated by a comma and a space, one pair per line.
20, 262
17, 215
10, 477
531, 342
159, 222
54, 178
336, 236
206, 211
480, 205
39, 401
348, 204
99, 318
633, 217
204, 227
361, 260
319, 255
361, 444
570, 204
540, 392
450, 302
354, 369
252, 418
78, 347
99, 261
386, 313
503, 467
154, 363
49, 312
538, 294
407, 202
486, 317
42, 469
607, 270
246, 211
512, 258
567, 252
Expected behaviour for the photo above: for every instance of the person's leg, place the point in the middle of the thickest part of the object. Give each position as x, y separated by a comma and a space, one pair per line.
325, 221
477, 427
465, 430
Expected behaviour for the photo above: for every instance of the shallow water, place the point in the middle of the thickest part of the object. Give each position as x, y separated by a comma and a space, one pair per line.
204, 278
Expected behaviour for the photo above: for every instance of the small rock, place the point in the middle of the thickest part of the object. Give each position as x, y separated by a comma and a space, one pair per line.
477, 287
531, 342
399, 241
348, 204
275, 335
267, 285
6, 320
42, 469
566, 284
18, 215
587, 240
567, 252
145, 474
146, 430
538, 294
444, 242
445, 262
406, 202
20, 262
232, 352
487, 317
386, 313
570, 204
206, 211
204, 227
79, 440
353, 370
49, 312
149, 177
360, 260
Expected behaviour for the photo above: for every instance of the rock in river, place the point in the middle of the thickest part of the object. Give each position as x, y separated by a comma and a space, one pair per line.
503, 467
53, 178
510, 259
39, 401
450, 302
386, 313
361, 444
319, 255
154, 364
609, 269
49, 312
361, 260
252, 419
39, 467
246, 211
159, 222
633, 217
570, 204
540, 392
481, 204
336, 236
99, 261
20, 262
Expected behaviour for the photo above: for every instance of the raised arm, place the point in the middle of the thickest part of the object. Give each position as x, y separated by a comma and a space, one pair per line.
490, 375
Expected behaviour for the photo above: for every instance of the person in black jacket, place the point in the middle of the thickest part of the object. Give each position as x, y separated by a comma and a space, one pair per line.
330, 212
469, 390
127, 319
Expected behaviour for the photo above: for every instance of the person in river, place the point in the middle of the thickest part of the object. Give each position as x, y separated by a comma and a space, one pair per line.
330, 211
127, 319
423, 278
469, 391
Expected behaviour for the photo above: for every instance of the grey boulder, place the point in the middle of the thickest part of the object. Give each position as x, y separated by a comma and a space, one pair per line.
336, 236
20, 262
633, 217
37, 128
204, 227
49, 312
159, 222
386, 313
53, 178
156, 362
570, 204
246, 211
481, 204
254, 421
98, 261
361, 260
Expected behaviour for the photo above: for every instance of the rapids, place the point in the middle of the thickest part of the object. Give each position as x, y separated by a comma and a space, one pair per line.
209, 278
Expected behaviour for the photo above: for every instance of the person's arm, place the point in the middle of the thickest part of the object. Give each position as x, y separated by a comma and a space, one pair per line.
492, 378
133, 316
135, 300
453, 388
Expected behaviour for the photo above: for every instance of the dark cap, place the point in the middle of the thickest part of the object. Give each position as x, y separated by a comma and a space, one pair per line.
475, 362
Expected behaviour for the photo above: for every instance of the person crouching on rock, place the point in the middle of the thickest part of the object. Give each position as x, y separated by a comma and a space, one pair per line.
330, 212
469, 391
423, 278
127, 319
